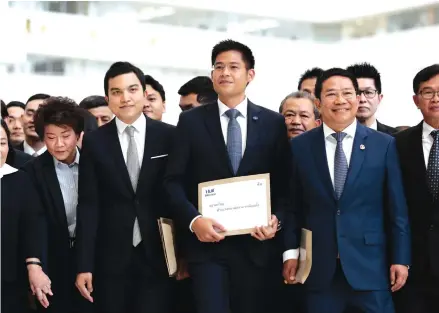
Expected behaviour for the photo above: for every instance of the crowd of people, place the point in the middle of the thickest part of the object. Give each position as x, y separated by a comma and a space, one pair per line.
83, 186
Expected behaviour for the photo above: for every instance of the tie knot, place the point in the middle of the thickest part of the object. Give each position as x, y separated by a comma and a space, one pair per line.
232, 113
339, 136
434, 134
130, 131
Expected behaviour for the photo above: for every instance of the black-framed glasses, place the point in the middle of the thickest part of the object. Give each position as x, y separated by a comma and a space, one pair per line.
428, 94
368, 93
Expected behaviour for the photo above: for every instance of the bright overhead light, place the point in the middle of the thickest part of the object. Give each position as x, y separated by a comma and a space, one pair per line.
149, 13
251, 25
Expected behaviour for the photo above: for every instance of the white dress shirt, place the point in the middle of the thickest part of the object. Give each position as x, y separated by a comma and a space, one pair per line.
139, 136
330, 146
67, 175
6, 169
29, 150
427, 141
224, 120
374, 125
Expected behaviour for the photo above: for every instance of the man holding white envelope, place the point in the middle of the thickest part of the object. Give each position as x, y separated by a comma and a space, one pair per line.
230, 138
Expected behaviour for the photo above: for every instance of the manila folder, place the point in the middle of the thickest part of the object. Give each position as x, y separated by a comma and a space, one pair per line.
167, 233
305, 259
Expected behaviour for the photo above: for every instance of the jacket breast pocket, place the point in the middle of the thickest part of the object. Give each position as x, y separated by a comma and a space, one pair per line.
373, 239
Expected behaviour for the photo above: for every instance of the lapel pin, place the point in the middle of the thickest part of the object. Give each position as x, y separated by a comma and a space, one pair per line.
255, 118
362, 147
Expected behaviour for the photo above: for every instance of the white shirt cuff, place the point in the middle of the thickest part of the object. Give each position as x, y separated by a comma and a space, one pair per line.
190, 225
290, 254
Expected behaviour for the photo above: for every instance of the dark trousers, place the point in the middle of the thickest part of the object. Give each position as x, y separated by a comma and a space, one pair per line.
66, 298
337, 297
229, 282
14, 298
418, 296
138, 290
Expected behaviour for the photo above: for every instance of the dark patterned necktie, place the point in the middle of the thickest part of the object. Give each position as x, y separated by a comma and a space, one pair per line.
340, 164
234, 139
433, 167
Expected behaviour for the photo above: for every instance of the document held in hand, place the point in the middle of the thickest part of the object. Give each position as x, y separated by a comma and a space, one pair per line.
167, 233
305, 257
239, 203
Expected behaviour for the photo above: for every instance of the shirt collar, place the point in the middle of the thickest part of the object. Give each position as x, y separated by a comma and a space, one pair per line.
426, 130
75, 162
242, 107
6, 169
374, 125
350, 130
139, 124
29, 150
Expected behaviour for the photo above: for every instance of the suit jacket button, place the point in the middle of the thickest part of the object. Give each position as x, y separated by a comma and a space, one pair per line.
431, 227
338, 212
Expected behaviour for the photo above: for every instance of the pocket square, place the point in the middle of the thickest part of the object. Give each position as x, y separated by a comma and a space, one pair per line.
159, 156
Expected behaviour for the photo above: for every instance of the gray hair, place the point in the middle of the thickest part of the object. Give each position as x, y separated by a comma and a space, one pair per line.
301, 95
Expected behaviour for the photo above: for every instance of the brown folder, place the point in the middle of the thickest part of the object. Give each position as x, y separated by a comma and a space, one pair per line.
305, 257
167, 234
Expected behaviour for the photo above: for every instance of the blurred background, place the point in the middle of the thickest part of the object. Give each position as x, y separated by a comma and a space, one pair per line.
64, 48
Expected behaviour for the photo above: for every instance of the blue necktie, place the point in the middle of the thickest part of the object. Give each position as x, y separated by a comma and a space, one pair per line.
340, 164
433, 167
234, 139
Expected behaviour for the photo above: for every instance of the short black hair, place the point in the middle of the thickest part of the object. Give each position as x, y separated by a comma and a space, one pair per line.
4, 110
17, 104
6, 128
120, 68
336, 71
149, 80
38, 96
231, 45
92, 102
315, 72
59, 111
207, 97
366, 70
197, 85
424, 75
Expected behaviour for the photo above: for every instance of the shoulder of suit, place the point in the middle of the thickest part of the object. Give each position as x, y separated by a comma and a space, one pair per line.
407, 132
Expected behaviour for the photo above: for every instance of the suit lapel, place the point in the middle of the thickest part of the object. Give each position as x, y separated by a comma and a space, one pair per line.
113, 144
152, 144
52, 184
357, 157
321, 161
417, 157
213, 125
253, 131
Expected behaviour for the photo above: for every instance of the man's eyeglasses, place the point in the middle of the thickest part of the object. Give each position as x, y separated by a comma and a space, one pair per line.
428, 94
368, 93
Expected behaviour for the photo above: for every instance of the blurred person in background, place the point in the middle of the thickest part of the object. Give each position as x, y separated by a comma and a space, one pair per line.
15, 124
307, 81
22, 233
155, 104
32, 143
15, 157
300, 113
60, 124
369, 82
191, 89
98, 106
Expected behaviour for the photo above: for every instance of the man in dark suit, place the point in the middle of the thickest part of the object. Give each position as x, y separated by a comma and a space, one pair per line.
55, 176
227, 273
418, 149
369, 83
120, 257
343, 174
